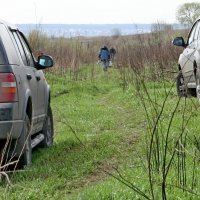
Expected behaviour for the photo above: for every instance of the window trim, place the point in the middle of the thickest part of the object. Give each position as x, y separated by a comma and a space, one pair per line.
24, 48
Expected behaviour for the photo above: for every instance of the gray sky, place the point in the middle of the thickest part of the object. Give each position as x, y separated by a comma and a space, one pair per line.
90, 11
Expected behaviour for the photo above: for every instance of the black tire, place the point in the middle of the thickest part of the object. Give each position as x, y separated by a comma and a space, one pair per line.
24, 144
180, 85
48, 130
198, 86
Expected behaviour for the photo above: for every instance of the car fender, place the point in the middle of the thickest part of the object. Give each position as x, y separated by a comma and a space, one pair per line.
182, 60
27, 96
197, 58
47, 99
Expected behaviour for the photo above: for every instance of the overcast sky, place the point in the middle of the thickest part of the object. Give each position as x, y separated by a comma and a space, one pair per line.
90, 11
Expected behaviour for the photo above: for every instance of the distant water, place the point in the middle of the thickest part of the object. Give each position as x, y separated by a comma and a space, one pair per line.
73, 30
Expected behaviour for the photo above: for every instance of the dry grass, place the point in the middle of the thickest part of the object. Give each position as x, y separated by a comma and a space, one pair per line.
154, 49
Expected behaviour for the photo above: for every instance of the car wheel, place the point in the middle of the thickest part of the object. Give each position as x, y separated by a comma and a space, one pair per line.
48, 130
24, 143
180, 85
198, 87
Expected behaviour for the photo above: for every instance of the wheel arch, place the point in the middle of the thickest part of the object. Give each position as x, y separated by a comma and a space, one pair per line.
48, 97
28, 107
195, 68
179, 67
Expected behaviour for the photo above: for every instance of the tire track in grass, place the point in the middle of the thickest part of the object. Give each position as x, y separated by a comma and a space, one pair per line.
128, 137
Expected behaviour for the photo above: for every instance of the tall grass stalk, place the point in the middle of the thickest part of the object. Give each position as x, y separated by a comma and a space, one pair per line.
166, 154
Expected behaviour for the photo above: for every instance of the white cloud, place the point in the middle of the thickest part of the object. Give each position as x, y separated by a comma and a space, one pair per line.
90, 11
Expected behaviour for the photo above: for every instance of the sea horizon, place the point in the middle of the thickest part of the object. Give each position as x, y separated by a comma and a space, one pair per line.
90, 30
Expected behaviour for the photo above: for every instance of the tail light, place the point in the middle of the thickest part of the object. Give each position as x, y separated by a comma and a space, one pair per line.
8, 88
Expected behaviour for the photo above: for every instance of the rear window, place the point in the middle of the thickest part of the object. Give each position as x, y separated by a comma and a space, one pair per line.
3, 59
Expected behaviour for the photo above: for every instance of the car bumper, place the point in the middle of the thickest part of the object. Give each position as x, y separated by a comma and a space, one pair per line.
9, 125
11, 129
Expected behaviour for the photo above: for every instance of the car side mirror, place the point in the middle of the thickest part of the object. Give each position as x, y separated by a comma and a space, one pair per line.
179, 41
45, 61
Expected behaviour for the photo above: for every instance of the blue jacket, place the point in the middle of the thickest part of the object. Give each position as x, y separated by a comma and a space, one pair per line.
104, 54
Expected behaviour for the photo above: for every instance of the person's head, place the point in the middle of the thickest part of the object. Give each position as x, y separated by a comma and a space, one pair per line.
104, 47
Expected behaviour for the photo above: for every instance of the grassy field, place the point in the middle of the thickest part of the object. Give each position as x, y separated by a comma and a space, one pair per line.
108, 132
96, 128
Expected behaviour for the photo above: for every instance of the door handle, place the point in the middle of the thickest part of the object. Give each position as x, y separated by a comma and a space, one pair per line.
38, 78
29, 77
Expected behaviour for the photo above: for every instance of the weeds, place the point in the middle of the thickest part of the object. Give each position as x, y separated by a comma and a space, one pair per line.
167, 166
165, 153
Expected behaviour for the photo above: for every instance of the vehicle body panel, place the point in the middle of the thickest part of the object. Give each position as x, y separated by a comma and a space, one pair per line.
189, 59
33, 92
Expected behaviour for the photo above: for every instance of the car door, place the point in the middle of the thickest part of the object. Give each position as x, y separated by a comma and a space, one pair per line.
187, 61
197, 52
28, 76
40, 86
41, 100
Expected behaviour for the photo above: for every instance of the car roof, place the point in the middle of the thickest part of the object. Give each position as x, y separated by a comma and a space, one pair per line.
9, 25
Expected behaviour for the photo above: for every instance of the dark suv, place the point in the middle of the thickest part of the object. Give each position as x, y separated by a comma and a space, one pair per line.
188, 79
25, 112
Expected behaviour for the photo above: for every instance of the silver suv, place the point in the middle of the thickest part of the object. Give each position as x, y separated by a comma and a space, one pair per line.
25, 112
188, 79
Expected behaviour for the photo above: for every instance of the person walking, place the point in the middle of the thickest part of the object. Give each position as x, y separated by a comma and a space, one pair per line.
112, 53
104, 57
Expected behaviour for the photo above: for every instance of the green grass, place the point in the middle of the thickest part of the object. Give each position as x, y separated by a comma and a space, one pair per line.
100, 129
95, 129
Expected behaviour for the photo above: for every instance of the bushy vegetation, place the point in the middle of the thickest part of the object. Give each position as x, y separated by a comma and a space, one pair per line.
154, 49
123, 134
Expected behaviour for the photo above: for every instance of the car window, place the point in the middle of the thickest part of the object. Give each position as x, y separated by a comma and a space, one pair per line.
192, 34
3, 59
27, 51
197, 31
20, 48
23, 49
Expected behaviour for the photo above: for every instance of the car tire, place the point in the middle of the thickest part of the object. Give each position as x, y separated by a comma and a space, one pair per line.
198, 87
180, 85
24, 143
48, 130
